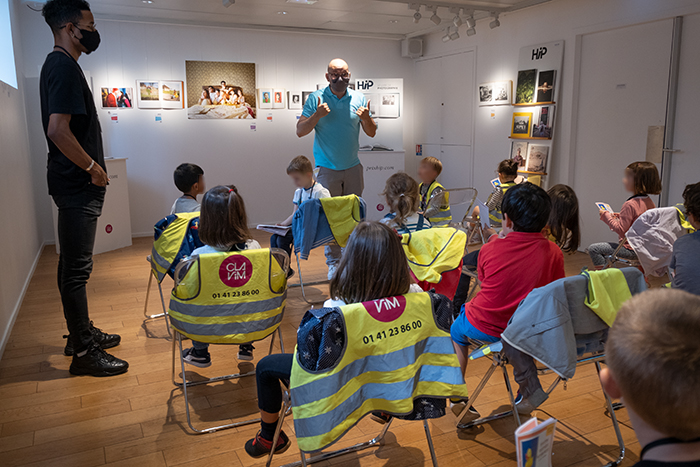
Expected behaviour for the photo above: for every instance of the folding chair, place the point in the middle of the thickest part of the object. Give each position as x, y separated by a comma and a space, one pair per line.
590, 333
227, 298
439, 376
175, 237
333, 220
460, 197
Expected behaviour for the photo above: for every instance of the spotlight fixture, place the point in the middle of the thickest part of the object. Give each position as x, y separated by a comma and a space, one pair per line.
416, 17
228, 3
446, 37
471, 22
455, 35
457, 21
495, 23
435, 18
471, 32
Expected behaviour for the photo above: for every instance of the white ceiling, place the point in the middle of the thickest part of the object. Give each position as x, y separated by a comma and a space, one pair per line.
385, 18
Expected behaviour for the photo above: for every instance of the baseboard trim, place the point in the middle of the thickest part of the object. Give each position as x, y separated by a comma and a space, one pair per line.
20, 299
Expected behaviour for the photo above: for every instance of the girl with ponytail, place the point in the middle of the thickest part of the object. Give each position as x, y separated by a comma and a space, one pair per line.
403, 199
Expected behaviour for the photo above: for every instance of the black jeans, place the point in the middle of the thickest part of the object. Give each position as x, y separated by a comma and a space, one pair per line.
77, 226
268, 374
283, 242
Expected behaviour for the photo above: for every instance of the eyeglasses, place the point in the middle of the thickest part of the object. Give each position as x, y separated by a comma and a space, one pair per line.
91, 27
344, 74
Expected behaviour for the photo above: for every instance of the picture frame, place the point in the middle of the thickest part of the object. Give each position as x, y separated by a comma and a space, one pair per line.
543, 127
218, 90
294, 100
304, 96
546, 81
496, 93
171, 94
521, 125
279, 99
537, 156
525, 89
265, 98
518, 153
148, 94
117, 98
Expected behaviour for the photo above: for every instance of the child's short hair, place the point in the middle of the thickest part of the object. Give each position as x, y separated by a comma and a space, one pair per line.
527, 206
691, 198
223, 222
187, 175
433, 162
402, 195
654, 357
564, 218
508, 167
646, 178
373, 266
300, 164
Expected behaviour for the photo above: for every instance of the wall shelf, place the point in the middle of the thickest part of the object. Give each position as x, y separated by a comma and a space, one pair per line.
535, 104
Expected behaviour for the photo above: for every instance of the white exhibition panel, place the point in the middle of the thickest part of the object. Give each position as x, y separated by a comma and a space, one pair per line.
114, 225
615, 111
378, 167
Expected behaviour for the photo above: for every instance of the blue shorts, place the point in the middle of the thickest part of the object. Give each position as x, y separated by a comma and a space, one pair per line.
462, 330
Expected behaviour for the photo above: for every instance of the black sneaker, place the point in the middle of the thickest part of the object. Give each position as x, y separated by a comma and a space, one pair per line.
259, 447
97, 362
198, 358
106, 341
245, 352
380, 417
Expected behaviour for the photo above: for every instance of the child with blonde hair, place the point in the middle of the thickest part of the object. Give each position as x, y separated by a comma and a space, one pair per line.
429, 170
403, 198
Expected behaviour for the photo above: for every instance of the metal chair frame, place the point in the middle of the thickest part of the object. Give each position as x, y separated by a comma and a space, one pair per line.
499, 360
177, 347
164, 314
614, 258
302, 284
287, 408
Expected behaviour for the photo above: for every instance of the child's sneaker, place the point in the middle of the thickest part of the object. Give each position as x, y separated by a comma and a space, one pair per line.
471, 415
259, 447
245, 352
198, 358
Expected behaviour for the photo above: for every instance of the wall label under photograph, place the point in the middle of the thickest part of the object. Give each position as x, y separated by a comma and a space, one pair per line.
220, 90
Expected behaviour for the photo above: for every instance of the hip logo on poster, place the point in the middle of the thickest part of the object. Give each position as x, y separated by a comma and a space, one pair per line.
537, 54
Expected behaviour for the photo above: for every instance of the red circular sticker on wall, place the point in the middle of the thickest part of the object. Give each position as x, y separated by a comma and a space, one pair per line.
236, 271
380, 207
386, 309
109, 228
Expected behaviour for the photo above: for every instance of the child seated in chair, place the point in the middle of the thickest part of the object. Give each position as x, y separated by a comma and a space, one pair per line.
685, 261
403, 198
223, 227
189, 179
510, 266
507, 177
641, 179
301, 172
373, 267
653, 364
428, 172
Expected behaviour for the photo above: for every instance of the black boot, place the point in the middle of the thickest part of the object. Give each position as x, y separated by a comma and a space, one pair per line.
106, 341
97, 362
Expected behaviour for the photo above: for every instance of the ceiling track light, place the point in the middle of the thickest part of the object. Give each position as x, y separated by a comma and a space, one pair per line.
471, 32
446, 37
416, 16
495, 23
435, 18
455, 35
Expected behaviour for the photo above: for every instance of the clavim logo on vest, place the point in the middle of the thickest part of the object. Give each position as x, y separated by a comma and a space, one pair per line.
236, 271
386, 310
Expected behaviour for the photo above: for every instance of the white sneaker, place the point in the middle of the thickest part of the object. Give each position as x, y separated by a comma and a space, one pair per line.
331, 270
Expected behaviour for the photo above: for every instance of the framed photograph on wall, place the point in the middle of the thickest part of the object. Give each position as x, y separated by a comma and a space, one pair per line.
148, 94
485, 94
545, 86
265, 98
293, 100
522, 122
537, 159
544, 126
496, 93
171, 94
217, 90
279, 99
304, 96
518, 152
119, 98
525, 90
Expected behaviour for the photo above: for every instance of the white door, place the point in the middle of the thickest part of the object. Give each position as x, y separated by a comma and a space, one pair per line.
428, 102
623, 86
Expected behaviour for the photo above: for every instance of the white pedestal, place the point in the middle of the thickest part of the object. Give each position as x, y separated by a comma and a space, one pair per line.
379, 165
114, 226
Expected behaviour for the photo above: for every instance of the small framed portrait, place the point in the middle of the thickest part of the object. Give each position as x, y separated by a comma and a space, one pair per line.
522, 123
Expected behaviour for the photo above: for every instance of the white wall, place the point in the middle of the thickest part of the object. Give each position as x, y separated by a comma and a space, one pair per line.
227, 150
19, 228
497, 59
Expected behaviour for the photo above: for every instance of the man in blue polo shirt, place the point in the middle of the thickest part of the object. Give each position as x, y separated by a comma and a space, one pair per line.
337, 113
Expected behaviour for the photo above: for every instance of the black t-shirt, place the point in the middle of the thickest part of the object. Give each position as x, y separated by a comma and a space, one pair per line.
64, 90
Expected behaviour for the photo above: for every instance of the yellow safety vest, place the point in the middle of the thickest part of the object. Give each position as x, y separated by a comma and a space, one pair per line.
681, 218
496, 215
394, 353
229, 298
343, 214
432, 252
445, 216
167, 247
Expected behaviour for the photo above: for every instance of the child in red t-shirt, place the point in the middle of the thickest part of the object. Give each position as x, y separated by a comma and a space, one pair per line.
510, 266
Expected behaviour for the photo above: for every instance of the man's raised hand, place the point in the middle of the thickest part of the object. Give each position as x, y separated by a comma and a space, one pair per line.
364, 112
322, 109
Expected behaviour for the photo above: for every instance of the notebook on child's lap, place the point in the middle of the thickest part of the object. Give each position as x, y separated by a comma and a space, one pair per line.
281, 230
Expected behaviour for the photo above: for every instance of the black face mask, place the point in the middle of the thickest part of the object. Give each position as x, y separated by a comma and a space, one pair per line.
90, 39
340, 84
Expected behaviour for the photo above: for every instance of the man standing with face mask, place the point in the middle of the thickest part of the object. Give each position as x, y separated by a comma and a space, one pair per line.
336, 113
76, 177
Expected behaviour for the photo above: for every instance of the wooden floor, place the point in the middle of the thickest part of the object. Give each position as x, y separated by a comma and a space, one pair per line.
48, 417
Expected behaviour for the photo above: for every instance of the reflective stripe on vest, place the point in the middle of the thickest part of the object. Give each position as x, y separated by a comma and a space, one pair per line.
432, 252
168, 245
445, 215
394, 353
496, 215
229, 298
